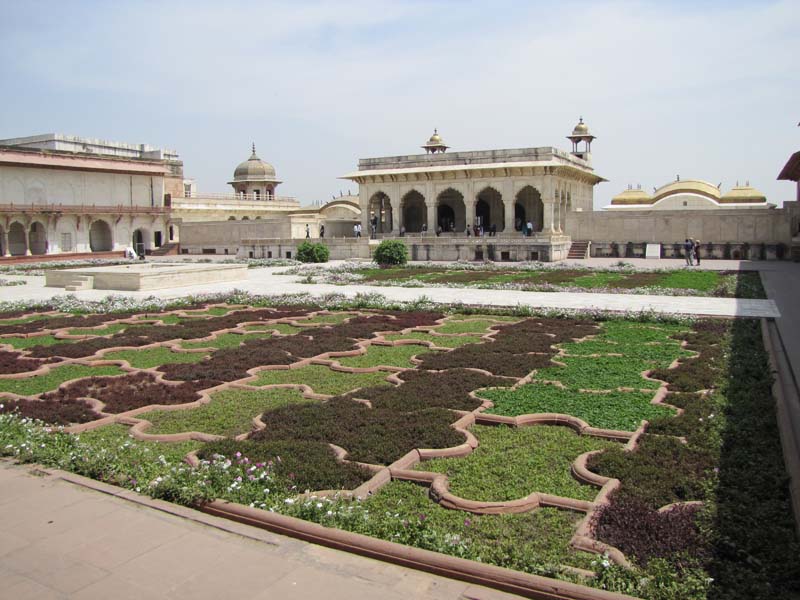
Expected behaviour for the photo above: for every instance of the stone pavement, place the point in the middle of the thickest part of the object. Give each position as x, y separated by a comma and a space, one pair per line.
269, 282
62, 541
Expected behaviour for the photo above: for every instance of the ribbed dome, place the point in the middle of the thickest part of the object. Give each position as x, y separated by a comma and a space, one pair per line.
743, 194
254, 169
688, 186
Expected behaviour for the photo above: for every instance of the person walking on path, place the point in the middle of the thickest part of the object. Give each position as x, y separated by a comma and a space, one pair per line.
688, 246
321, 230
697, 252
308, 231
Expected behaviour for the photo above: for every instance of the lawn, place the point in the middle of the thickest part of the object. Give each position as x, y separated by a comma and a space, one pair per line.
739, 284
320, 378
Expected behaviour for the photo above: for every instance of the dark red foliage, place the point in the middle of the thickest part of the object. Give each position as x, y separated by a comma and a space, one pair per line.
13, 362
643, 533
509, 354
427, 389
126, 392
141, 335
61, 322
370, 435
54, 412
310, 465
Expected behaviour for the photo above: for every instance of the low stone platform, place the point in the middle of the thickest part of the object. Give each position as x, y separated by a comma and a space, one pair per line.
143, 276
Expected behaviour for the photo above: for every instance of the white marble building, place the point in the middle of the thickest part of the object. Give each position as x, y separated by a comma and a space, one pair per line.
62, 194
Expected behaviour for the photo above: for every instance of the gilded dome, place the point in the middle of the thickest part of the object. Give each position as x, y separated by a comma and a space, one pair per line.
631, 196
743, 194
581, 128
254, 169
435, 143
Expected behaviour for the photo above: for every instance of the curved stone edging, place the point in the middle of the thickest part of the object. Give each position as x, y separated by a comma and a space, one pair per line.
530, 586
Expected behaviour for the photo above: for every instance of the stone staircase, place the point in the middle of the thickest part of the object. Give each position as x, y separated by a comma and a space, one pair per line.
165, 250
80, 282
578, 251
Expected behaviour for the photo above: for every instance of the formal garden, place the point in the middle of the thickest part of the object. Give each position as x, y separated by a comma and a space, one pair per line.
542, 277
636, 454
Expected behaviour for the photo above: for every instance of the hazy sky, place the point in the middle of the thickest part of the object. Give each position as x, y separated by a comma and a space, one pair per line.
707, 90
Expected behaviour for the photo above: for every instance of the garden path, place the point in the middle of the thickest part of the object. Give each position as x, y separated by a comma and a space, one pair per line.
65, 541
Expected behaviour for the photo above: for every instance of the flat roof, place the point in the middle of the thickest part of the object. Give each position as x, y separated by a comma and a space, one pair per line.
51, 159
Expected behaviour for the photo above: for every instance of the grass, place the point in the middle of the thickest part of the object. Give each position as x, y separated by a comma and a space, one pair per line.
599, 373
613, 410
438, 340
118, 434
28, 319
512, 462
282, 328
331, 319
50, 381
154, 357
401, 512
598, 279
704, 281
229, 413
107, 330
321, 379
225, 340
23, 343
214, 311
389, 356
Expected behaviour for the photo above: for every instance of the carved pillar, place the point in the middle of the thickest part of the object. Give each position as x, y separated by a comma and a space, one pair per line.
397, 217
6, 251
430, 207
27, 241
469, 206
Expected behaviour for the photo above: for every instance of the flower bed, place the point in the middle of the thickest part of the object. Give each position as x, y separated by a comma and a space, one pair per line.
722, 449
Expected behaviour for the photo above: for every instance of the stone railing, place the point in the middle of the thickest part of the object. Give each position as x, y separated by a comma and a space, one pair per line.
82, 209
238, 198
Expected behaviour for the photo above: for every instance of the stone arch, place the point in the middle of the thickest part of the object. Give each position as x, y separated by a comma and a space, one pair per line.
245, 218
100, 237
17, 244
231, 218
529, 199
37, 238
451, 211
381, 208
412, 207
489, 207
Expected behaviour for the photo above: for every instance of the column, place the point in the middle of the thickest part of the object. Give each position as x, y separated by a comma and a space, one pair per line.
557, 214
6, 251
27, 241
469, 209
397, 217
430, 207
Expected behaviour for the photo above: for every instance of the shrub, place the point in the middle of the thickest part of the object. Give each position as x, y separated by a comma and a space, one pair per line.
312, 252
391, 252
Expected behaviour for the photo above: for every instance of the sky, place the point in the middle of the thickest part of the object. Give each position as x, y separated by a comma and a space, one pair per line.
705, 89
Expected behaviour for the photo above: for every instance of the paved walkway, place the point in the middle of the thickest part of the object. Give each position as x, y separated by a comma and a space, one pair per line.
269, 282
62, 541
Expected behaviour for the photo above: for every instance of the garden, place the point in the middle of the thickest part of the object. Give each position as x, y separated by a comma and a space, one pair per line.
542, 277
632, 454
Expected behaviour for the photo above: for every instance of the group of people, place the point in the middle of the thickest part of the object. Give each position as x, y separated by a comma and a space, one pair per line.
691, 250
479, 231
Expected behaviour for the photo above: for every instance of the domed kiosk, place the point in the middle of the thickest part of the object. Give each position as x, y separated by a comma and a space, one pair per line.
255, 179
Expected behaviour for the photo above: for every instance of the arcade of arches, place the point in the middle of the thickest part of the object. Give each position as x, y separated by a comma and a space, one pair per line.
450, 212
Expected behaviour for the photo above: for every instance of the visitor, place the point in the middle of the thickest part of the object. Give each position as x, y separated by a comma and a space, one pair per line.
308, 231
438, 231
424, 228
687, 251
374, 227
468, 231
530, 228
697, 252
130, 253
493, 230
321, 230
402, 231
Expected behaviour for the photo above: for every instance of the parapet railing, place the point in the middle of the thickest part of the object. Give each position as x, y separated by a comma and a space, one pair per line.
83, 209
238, 197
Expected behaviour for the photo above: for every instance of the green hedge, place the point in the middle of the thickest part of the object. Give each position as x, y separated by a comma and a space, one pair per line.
391, 252
312, 252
